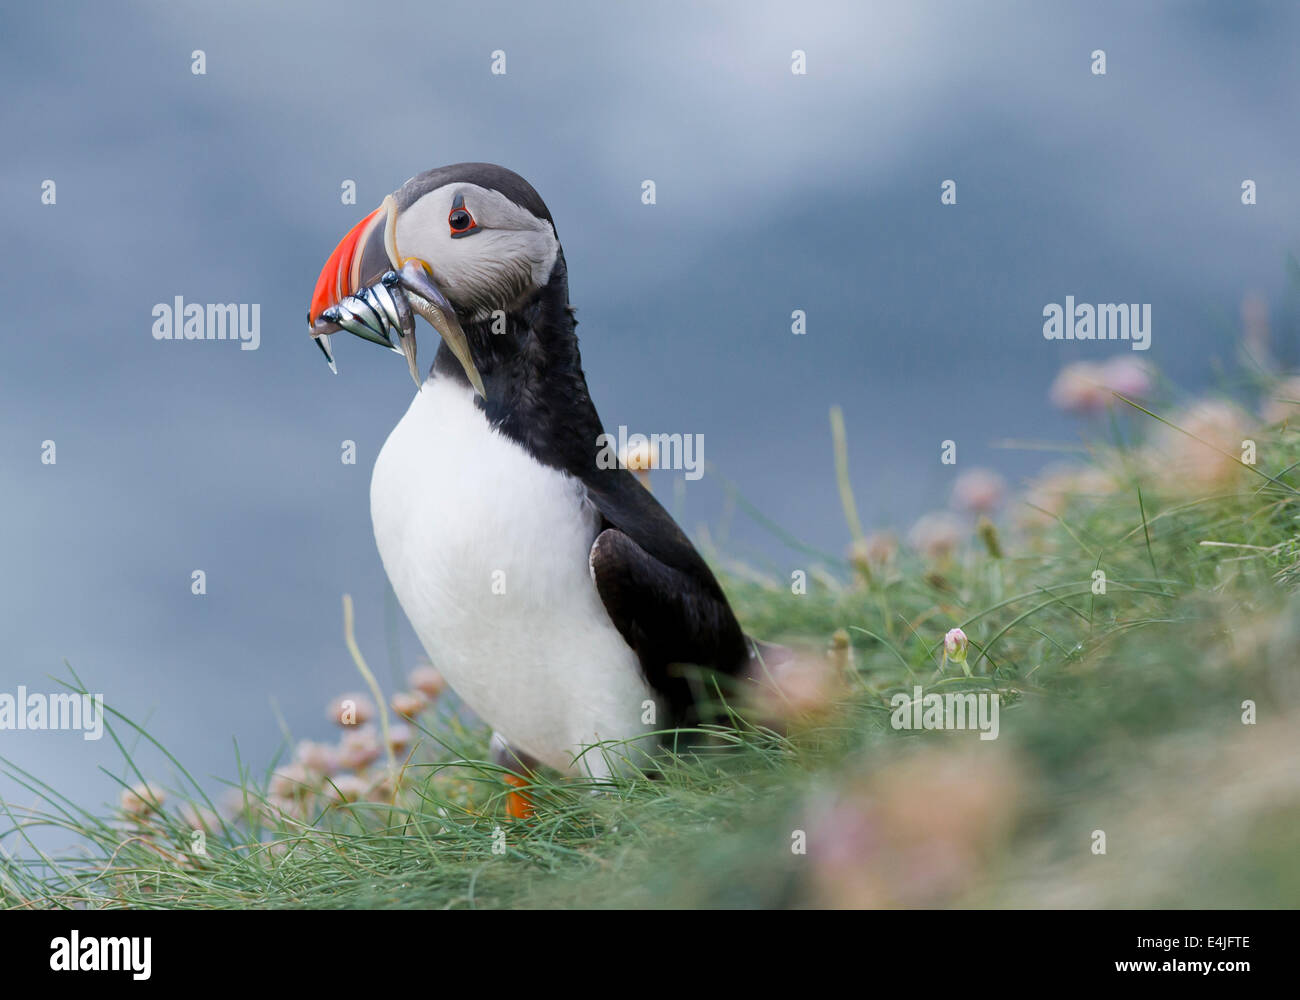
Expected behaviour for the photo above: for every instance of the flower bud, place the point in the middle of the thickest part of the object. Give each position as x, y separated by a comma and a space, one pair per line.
954, 645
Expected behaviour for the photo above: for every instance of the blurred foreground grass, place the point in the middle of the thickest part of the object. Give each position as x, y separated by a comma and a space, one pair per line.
1122, 712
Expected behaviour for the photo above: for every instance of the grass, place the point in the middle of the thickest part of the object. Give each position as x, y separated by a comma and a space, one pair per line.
1121, 715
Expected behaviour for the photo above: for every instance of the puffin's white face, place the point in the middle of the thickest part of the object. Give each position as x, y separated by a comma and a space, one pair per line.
484, 251
455, 242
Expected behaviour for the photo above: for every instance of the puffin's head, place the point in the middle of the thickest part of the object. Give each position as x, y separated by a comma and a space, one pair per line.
456, 244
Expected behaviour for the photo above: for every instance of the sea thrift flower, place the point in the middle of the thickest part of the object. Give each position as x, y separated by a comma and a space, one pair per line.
290, 782
936, 536
351, 710
316, 758
359, 748
347, 788
399, 737
954, 645
1205, 453
979, 491
381, 787
880, 547
875, 552
427, 681
139, 801
921, 832
1084, 387
409, 704
1127, 376
1051, 492
277, 809
799, 685
1079, 388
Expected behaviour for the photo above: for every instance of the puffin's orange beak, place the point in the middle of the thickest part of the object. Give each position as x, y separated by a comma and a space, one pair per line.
357, 262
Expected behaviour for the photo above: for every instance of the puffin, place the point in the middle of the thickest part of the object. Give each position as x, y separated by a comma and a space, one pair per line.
555, 594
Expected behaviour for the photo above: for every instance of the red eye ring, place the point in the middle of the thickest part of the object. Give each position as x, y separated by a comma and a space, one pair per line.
460, 222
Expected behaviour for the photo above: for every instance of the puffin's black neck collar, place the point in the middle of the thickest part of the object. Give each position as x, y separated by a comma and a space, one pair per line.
532, 371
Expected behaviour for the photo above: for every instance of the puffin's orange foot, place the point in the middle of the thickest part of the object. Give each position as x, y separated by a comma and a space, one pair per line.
519, 804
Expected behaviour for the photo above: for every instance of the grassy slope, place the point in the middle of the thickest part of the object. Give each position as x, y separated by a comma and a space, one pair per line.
1121, 712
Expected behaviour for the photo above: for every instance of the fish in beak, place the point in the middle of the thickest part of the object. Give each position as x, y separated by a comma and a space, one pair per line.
368, 288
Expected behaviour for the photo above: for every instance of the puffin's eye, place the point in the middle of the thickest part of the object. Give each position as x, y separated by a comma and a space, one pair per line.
461, 222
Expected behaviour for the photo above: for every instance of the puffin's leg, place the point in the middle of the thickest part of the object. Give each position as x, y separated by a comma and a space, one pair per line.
519, 766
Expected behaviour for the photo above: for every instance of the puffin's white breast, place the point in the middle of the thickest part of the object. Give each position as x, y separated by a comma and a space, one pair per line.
487, 550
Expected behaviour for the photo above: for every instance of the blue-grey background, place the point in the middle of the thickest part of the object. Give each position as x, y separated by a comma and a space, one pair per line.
775, 192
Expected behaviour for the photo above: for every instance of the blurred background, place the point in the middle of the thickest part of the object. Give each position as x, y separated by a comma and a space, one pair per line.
775, 192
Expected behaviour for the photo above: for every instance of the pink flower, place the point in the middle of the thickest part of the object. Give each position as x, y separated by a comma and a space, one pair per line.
351, 709
979, 491
1084, 387
359, 748
1203, 454
290, 782
1057, 485
954, 645
381, 788
1079, 389
1127, 376
399, 738
347, 788
873, 553
798, 685
921, 832
936, 536
409, 704
427, 681
879, 547
316, 758
140, 800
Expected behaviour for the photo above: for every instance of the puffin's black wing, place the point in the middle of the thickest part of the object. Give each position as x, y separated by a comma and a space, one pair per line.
659, 592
